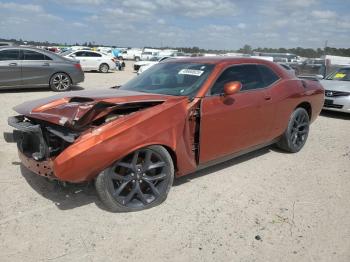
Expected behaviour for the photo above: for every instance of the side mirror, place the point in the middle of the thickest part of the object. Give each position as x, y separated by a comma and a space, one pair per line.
231, 88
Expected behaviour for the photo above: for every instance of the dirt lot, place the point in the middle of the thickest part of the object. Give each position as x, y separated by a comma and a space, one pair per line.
265, 206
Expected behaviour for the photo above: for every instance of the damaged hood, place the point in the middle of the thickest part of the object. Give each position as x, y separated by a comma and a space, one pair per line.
76, 109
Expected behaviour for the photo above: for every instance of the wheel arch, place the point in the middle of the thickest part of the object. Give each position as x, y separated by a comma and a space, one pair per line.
307, 106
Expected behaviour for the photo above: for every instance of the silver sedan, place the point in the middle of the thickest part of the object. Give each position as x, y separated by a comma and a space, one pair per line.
22, 67
337, 90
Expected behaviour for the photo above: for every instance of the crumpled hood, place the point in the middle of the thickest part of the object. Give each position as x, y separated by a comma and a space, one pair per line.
336, 85
76, 109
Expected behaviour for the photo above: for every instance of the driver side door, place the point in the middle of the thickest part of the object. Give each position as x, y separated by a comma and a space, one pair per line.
232, 123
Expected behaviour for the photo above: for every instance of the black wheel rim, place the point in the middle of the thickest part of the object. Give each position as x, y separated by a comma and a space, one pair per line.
138, 179
300, 130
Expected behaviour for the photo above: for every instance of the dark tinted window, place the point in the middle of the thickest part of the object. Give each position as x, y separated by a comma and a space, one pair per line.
248, 75
91, 54
80, 54
11, 54
267, 75
31, 55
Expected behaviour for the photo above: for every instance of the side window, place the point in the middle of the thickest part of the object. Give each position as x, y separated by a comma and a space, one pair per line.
31, 55
47, 58
91, 54
11, 54
248, 75
80, 54
267, 75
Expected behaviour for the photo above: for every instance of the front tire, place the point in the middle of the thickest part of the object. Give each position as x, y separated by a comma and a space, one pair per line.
60, 82
296, 134
139, 181
104, 68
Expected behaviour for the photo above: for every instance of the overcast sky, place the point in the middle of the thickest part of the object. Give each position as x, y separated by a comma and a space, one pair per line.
216, 24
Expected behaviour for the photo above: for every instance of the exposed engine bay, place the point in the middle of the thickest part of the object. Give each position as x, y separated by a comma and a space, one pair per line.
40, 140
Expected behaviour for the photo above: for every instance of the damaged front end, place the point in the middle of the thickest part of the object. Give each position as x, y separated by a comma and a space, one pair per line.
42, 135
38, 143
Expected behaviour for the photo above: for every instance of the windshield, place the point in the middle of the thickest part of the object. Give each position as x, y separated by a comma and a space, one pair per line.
342, 74
178, 79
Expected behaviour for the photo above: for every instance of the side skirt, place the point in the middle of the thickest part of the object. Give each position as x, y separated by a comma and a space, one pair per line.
234, 155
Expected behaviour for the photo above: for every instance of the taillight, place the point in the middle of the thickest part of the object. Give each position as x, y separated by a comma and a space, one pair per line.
77, 66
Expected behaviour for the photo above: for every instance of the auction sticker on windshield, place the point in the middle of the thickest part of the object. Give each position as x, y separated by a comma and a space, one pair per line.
191, 72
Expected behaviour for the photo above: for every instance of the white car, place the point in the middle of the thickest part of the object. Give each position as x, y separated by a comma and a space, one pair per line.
142, 66
92, 60
337, 90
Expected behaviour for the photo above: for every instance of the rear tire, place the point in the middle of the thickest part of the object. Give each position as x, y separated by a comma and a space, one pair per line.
139, 181
60, 82
104, 68
296, 134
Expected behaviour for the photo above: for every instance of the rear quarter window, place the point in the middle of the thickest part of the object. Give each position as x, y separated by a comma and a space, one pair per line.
268, 75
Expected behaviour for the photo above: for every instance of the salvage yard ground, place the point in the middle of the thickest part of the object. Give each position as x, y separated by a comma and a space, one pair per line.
264, 206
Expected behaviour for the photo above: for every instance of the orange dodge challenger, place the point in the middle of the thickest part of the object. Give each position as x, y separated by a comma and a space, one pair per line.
177, 117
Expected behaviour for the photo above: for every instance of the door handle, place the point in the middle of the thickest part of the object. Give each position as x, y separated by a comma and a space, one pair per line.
267, 98
46, 64
13, 64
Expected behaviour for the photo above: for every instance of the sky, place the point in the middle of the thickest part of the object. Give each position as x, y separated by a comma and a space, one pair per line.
212, 24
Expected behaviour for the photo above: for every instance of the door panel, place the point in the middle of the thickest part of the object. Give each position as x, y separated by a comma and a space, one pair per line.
36, 71
233, 123
10, 68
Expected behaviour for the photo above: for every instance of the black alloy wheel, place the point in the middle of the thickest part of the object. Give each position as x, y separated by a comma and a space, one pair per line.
138, 181
297, 132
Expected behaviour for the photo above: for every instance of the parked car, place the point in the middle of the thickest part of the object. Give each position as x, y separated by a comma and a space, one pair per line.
310, 67
153, 60
147, 66
337, 85
32, 67
149, 53
177, 117
131, 54
93, 60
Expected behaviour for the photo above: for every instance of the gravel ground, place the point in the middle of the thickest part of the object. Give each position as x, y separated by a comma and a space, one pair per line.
264, 206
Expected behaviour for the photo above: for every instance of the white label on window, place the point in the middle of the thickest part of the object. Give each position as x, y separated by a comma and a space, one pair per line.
191, 72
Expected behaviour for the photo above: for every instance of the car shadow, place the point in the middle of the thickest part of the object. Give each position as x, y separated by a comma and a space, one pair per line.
98, 72
36, 89
64, 197
229, 163
334, 114
71, 196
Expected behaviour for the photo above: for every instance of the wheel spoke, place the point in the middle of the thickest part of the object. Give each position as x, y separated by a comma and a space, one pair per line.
135, 158
141, 195
133, 191
124, 164
154, 178
121, 188
147, 160
156, 165
153, 188
303, 131
294, 139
